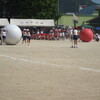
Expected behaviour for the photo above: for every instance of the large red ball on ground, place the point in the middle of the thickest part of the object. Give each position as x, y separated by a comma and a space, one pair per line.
86, 35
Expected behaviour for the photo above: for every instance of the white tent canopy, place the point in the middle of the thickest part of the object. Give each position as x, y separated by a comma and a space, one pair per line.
3, 22
33, 22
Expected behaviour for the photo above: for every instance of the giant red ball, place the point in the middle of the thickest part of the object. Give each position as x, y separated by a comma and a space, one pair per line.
86, 35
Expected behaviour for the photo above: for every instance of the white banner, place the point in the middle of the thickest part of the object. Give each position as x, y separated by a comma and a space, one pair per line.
33, 22
3, 22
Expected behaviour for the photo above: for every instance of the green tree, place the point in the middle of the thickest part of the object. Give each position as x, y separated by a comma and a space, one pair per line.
39, 9
45, 9
25, 9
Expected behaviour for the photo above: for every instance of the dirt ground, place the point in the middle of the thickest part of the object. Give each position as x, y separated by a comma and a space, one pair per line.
50, 70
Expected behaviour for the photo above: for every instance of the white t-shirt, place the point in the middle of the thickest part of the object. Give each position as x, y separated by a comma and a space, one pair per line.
3, 33
75, 32
28, 34
24, 33
71, 32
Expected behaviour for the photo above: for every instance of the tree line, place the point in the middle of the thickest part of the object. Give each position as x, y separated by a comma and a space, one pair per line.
37, 9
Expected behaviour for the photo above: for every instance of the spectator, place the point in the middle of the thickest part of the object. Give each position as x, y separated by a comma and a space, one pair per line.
75, 38
3, 36
28, 36
24, 36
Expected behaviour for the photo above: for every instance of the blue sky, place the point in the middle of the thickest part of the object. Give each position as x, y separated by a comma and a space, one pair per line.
96, 1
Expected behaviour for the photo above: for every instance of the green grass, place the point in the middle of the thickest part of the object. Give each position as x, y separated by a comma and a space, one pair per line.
67, 20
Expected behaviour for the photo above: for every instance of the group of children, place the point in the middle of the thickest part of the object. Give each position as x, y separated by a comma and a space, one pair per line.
74, 36
26, 36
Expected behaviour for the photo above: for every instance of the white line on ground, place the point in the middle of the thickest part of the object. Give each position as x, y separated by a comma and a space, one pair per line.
45, 63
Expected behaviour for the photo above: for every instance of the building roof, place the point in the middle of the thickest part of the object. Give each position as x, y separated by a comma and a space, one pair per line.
96, 19
88, 10
3, 22
94, 22
33, 22
98, 8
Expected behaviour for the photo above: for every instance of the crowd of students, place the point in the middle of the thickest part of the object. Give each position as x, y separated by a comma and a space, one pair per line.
56, 34
52, 34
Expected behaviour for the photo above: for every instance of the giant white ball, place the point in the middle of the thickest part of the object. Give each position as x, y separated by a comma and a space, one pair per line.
13, 34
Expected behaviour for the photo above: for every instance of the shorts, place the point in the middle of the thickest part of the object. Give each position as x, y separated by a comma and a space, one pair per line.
75, 37
3, 37
24, 37
28, 37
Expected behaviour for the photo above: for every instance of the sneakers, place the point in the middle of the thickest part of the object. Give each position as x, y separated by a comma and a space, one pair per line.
74, 46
